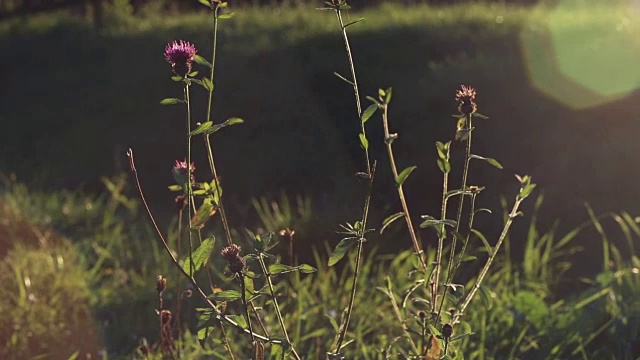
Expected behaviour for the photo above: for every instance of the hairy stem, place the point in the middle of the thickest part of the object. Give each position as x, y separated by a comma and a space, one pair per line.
276, 306
403, 201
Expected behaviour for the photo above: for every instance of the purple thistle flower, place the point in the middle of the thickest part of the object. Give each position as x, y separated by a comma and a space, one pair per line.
180, 170
180, 55
466, 97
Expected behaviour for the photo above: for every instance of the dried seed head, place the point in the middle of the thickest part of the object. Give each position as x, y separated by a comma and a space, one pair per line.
422, 314
161, 283
466, 97
447, 331
237, 263
165, 316
181, 202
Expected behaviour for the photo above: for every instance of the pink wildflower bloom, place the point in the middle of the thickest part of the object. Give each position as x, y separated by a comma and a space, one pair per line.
180, 55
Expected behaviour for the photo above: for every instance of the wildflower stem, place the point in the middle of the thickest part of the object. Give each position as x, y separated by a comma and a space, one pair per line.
463, 188
354, 80
403, 201
276, 305
354, 283
243, 292
189, 184
213, 57
512, 215
441, 239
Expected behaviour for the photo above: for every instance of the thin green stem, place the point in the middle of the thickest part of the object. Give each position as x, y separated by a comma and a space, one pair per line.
441, 239
354, 80
463, 187
465, 173
512, 215
246, 310
403, 201
467, 236
276, 305
189, 185
213, 58
354, 283
214, 173
227, 345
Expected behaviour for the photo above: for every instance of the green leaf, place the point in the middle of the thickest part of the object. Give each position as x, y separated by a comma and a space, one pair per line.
484, 241
227, 295
387, 98
368, 112
307, 269
390, 219
203, 214
249, 290
202, 128
444, 166
363, 141
200, 256
277, 352
175, 187
206, 3
526, 191
341, 249
203, 334
343, 78
402, 177
177, 78
200, 60
170, 101
239, 319
275, 269
354, 22
207, 84
226, 16
491, 161
480, 116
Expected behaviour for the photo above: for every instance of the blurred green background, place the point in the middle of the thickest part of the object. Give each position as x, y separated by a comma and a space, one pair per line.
558, 79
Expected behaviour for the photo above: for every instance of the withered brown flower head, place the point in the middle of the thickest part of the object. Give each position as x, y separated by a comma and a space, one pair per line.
466, 98
236, 262
161, 283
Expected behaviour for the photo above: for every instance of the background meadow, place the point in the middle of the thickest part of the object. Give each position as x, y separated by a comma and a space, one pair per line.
559, 81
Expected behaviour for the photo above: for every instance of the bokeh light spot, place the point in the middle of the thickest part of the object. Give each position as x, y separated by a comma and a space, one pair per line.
583, 53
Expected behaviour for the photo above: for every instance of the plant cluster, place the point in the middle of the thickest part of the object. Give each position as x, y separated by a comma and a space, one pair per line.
251, 273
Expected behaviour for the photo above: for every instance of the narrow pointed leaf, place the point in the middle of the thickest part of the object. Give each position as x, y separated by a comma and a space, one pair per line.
227, 295
200, 60
368, 112
363, 141
202, 128
390, 219
354, 22
341, 249
343, 78
491, 161
402, 177
170, 101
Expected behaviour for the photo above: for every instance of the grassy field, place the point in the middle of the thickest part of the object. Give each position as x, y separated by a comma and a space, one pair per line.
76, 98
